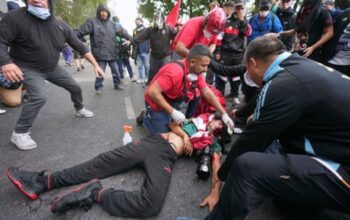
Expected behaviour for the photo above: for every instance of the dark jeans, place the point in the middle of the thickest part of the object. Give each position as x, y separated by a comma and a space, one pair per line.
34, 82
297, 182
126, 63
156, 122
114, 70
155, 65
153, 153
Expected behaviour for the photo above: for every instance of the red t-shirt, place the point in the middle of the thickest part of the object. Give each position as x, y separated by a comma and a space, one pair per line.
170, 79
192, 33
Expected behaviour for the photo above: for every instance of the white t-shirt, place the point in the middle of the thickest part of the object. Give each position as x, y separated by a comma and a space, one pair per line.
342, 58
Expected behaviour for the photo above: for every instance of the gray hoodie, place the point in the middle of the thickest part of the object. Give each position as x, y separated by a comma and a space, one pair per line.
103, 35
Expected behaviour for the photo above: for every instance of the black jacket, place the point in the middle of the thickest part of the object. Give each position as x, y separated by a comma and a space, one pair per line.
296, 108
287, 18
160, 40
233, 39
34, 43
102, 35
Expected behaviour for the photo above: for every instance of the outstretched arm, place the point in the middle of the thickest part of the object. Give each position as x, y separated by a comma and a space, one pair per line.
213, 196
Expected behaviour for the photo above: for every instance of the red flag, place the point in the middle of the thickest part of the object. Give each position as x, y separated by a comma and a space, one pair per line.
173, 14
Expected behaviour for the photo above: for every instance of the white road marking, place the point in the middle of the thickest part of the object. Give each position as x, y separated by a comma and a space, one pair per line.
129, 108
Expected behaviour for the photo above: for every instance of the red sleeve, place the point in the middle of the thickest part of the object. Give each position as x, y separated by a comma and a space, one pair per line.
187, 35
201, 84
165, 82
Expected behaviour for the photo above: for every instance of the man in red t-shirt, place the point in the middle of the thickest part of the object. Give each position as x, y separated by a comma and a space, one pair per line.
203, 29
175, 83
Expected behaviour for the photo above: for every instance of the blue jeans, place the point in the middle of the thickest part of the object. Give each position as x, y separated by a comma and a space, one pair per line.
143, 65
156, 122
115, 73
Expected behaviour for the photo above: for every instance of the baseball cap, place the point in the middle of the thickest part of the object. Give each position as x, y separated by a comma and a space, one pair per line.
265, 6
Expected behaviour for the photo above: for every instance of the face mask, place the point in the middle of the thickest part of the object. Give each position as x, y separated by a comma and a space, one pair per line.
158, 22
206, 33
204, 74
192, 77
42, 13
263, 14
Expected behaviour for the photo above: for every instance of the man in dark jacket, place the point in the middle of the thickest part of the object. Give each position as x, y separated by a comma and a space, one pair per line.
159, 36
35, 37
102, 33
287, 16
232, 45
313, 174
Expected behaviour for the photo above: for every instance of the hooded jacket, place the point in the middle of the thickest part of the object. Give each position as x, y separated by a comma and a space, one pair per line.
103, 35
34, 43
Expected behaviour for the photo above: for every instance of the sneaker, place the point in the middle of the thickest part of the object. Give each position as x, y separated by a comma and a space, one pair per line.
82, 66
139, 119
27, 182
83, 196
118, 87
235, 101
139, 81
85, 113
99, 92
2, 111
78, 69
133, 79
23, 141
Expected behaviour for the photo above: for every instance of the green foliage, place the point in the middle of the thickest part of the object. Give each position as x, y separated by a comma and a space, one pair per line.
190, 7
75, 12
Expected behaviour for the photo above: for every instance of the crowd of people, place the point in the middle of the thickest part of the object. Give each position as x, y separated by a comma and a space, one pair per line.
289, 74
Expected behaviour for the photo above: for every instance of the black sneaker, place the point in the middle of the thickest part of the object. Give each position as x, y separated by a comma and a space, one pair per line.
27, 182
139, 119
83, 196
82, 66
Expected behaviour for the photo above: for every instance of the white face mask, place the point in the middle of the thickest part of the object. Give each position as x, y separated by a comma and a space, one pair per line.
204, 74
206, 33
192, 77
263, 14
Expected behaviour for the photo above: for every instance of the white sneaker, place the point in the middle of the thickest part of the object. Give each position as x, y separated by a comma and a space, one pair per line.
2, 111
23, 141
139, 81
85, 113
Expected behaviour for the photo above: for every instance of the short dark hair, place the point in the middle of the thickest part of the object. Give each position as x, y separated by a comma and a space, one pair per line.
263, 47
229, 4
199, 50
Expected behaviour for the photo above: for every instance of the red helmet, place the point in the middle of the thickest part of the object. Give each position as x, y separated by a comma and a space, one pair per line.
216, 20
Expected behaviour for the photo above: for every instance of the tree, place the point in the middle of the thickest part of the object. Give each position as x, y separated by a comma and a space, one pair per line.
190, 7
75, 12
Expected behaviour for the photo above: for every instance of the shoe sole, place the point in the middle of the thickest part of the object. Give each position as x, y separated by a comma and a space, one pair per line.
77, 189
19, 185
28, 148
84, 116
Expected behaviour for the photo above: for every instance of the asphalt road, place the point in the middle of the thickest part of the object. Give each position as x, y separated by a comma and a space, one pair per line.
65, 140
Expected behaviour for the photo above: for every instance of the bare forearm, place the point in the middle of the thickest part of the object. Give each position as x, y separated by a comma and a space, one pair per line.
215, 182
91, 59
328, 34
287, 33
181, 50
160, 101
